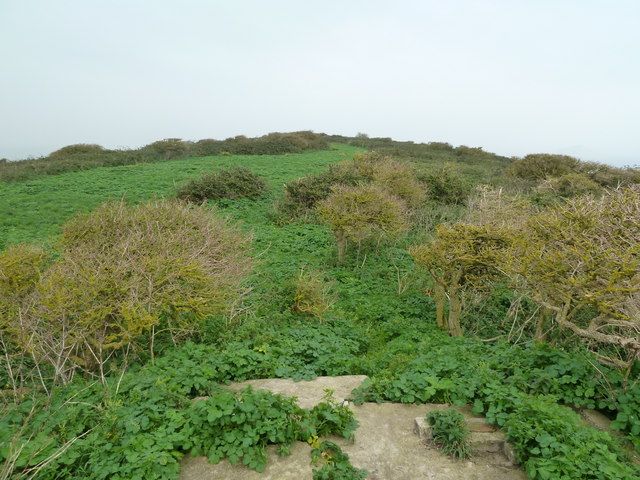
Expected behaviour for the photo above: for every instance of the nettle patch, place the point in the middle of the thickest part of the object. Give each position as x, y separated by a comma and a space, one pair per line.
141, 424
144, 430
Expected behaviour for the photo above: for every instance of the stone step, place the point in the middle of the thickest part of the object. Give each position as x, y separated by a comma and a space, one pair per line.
478, 424
595, 419
482, 442
384, 444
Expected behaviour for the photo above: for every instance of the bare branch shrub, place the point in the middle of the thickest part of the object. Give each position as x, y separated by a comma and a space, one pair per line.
461, 258
128, 271
586, 254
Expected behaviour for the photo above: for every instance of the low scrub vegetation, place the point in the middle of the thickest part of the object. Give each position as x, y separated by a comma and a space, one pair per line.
87, 156
447, 186
312, 294
333, 463
400, 179
543, 166
364, 215
231, 184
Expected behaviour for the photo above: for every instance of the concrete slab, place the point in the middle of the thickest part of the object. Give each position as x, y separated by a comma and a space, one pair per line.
385, 444
595, 419
308, 392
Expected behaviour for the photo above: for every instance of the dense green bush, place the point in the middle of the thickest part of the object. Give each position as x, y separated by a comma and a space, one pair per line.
232, 183
240, 428
552, 442
447, 186
627, 406
168, 148
449, 432
77, 149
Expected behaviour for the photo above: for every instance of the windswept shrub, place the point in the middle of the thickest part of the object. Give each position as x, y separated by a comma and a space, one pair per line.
495, 207
449, 432
397, 177
169, 148
302, 195
608, 176
460, 258
447, 186
20, 269
400, 179
363, 214
126, 272
232, 183
568, 185
538, 166
312, 295
584, 254
77, 149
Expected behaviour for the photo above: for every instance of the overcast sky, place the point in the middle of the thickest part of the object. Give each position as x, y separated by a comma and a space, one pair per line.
511, 76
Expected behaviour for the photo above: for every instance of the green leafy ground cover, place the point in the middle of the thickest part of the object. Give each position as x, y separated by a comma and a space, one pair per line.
141, 423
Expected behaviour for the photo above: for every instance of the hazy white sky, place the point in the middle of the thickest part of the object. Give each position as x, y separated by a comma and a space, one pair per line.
511, 76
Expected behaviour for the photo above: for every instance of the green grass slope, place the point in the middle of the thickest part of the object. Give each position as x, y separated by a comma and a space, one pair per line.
33, 210
382, 325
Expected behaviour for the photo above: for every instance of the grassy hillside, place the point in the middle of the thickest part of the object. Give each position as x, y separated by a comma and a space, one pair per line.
33, 210
381, 324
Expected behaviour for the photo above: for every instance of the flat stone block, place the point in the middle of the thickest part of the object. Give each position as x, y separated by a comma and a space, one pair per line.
595, 419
